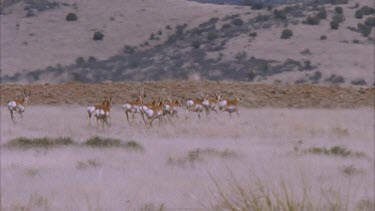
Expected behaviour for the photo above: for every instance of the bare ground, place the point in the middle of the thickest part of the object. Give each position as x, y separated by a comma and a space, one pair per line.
262, 144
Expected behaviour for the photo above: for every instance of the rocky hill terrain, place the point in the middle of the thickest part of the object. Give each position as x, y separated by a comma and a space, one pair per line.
320, 42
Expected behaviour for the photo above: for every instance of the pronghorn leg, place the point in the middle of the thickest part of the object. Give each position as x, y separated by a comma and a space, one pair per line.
127, 117
12, 116
230, 114
237, 114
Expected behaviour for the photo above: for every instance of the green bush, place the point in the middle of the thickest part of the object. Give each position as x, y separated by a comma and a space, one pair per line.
286, 34
253, 34
312, 20
364, 29
339, 18
44, 142
322, 14
212, 35
71, 17
196, 44
338, 10
358, 14
334, 25
370, 21
237, 22
102, 142
323, 37
98, 36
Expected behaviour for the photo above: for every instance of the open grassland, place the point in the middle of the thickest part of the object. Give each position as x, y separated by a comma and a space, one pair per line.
268, 158
253, 95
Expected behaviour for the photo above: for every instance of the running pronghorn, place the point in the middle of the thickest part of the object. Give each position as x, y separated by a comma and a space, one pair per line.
171, 107
230, 106
19, 105
134, 107
154, 111
214, 103
103, 113
91, 110
197, 105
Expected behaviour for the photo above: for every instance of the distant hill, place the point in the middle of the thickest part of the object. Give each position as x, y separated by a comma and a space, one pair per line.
143, 41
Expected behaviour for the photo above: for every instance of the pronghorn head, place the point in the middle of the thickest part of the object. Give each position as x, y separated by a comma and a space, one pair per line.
26, 96
107, 101
237, 99
141, 97
218, 96
178, 101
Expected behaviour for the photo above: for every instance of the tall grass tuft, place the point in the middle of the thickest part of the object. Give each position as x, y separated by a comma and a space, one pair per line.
97, 141
45, 142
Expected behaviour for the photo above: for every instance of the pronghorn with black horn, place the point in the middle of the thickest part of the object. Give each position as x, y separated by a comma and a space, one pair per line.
103, 113
134, 107
19, 105
91, 110
230, 106
197, 105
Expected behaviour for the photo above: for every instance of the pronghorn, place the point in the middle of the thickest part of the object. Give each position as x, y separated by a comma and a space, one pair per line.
214, 103
19, 105
230, 106
171, 107
91, 110
154, 111
197, 105
134, 107
103, 113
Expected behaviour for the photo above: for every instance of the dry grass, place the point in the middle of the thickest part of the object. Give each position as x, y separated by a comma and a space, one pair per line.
256, 145
253, 95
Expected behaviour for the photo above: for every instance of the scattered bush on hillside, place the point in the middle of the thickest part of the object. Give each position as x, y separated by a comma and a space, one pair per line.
358, 14
253, 34
335, 79
196, 44
130, 49
91, 59
226, 26
323, 37
286, 34
334, 25
71, 17
316, 77
339, 18
322, 14
370, 21
254, 5
364, 29
338, 10
355, 41
98, 36
80, 60
212, 35
279, 14
237, 22
335, 2
312, 20
359, 82
168, 27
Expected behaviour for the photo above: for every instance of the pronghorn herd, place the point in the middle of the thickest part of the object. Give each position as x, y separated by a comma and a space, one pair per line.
149, 112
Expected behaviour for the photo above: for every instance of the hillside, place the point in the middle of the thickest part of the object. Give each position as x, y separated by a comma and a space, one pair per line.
144, 41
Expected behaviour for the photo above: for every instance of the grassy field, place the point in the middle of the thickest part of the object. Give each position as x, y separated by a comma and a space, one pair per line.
268, 158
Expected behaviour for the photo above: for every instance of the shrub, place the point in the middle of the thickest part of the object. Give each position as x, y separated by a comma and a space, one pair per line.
212, 35
355, 41
335, 79
102, 142
334, 25
370, 21
253, 34
323, 37
358, 14
237, 22
338, 10
196, 44
44, 142
281, 15
359, 82
335, 2
339, 18
364, 29
322, 14
226, 26
71, 17
286, 34
98, 36
80, 60
366, 10
91, 59
312, 20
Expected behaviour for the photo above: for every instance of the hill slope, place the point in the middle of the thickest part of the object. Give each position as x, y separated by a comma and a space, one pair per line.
144, 41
